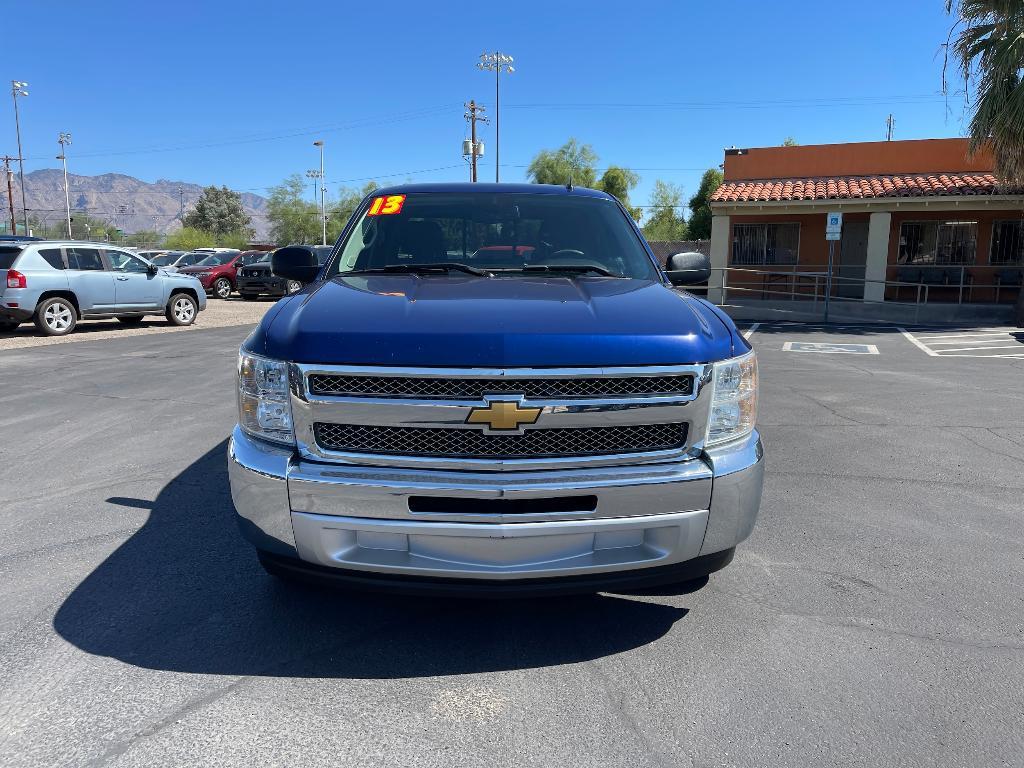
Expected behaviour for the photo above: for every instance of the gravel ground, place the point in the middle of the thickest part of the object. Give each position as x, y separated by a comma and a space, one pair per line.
218, 314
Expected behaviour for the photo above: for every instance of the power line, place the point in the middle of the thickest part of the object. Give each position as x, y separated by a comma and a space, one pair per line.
367, 122
851, 101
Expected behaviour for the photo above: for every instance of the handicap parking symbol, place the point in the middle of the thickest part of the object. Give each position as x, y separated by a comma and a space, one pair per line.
829, 348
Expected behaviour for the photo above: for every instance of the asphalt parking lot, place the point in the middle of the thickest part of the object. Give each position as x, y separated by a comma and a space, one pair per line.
874, 618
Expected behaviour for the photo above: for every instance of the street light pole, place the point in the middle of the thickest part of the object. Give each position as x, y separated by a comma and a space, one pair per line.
323, 192
64, 139
18, 89
496, 62
313, 175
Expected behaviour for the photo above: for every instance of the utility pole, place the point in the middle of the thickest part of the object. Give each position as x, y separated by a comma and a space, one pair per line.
476, 148
18, 89
889, 123
181, 205
64, 139
323, 191
10, 192
496, 62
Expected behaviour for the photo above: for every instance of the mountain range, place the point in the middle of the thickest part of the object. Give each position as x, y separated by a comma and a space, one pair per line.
130, 203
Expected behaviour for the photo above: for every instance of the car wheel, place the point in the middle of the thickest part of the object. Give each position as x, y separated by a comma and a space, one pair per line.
293, 286
182, 309
222, 288
250, 296
56, 316
133, 320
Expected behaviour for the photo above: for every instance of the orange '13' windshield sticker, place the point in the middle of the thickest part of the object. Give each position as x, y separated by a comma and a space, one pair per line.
386, 205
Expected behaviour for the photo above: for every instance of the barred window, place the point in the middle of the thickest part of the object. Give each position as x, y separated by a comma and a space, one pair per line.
765, 243
938, 242
1008, 242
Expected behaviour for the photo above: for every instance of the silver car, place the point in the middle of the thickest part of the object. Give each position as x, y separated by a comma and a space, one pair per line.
58, 283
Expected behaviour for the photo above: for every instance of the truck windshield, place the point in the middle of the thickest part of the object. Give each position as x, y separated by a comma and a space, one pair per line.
503, 234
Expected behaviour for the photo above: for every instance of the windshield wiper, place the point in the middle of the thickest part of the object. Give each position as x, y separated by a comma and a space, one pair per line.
414, 269
577, 268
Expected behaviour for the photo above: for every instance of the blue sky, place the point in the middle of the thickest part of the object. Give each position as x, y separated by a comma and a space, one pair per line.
234, 93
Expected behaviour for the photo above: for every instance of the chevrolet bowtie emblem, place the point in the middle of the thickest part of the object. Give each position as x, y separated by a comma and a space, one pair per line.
503, 415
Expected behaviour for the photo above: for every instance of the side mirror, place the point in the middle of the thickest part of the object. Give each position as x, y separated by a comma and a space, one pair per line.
152, 269
295, 264
688, 268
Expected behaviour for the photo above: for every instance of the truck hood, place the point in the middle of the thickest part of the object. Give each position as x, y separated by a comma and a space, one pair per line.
467, 321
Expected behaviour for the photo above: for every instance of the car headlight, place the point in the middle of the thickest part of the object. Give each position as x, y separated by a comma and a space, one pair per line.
264, 408
733, 399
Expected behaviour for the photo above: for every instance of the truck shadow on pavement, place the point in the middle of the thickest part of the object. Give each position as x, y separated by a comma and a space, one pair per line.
186, 594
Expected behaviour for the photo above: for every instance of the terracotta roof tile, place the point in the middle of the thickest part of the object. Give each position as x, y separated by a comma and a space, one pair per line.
853, 187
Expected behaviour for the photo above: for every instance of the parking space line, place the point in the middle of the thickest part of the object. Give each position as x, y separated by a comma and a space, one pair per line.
913, 340
966, 335
1019, 356
994, 339
983, 343
975, 349
750, 331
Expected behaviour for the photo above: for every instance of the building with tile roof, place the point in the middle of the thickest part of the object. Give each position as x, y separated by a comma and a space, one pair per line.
922, 221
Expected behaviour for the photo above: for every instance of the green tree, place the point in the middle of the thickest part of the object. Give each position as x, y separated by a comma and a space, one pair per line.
571, 162
666, 220
83, 227
618, 182
292, 218
342, 209
144, 238
989, 53
189, 238
789, 141
700, 218
218, 211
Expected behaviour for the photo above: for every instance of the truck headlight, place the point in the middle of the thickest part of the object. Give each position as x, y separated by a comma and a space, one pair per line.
264, 408
733, 399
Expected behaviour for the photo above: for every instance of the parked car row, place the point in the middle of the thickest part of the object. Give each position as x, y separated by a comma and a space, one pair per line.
56, 283
256, 278
218, 271
223, 271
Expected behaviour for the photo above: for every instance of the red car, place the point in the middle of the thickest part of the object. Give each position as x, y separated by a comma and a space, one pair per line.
218, 271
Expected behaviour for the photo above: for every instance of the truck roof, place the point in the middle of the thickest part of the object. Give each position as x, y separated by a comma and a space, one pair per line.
490, 189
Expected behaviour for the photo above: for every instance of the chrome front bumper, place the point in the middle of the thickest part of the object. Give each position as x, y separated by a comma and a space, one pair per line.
359, 518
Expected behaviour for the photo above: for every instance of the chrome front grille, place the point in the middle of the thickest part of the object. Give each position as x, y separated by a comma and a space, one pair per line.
539, 388
433, 417
471, 443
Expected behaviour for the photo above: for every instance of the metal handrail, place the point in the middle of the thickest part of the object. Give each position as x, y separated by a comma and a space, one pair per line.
921, 296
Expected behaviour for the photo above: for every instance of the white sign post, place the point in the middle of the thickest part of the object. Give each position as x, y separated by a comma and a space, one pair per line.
833, 232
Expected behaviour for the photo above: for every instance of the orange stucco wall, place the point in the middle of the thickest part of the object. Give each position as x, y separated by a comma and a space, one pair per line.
861, 159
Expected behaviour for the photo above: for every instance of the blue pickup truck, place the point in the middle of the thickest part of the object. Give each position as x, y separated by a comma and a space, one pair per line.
494, 389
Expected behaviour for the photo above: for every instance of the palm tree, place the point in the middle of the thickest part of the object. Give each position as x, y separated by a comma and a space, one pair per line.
989, 53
